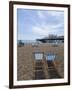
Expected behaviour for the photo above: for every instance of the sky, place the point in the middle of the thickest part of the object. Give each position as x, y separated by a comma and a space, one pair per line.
36, 24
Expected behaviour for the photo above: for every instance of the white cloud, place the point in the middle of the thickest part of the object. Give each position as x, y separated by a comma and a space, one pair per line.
40, 31
41, 23
55, 13
40, 14
45, 29
57, 16
57, 26
43, 14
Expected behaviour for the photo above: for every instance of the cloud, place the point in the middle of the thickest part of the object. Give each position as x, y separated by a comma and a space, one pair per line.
52, 23
51, 16
45, 29
40, 31
40, 23
41, 14
55, 13
57, 26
